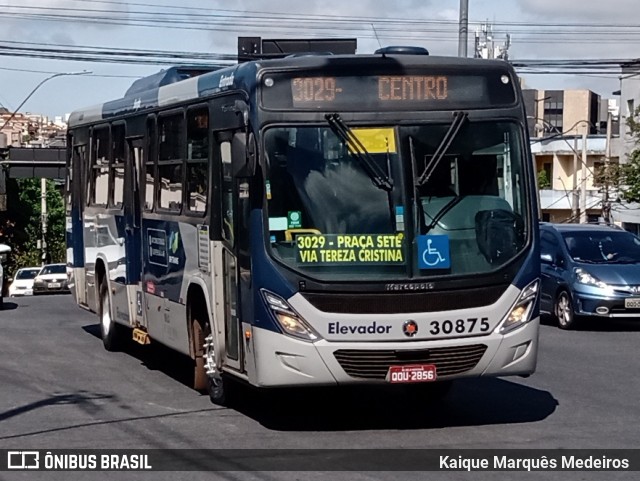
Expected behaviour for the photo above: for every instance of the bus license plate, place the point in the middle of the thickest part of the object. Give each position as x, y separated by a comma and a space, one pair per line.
412, 373
632, 303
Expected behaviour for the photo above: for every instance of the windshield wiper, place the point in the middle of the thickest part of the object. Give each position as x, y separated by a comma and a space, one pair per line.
459, 118
424, 228
587, 261
379, 178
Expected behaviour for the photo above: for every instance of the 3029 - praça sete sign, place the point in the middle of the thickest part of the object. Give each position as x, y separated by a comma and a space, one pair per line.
299, 460
350, 249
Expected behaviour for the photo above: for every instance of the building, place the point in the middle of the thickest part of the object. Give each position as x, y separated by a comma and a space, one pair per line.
572, 112
558, 120
560, 158
26, 129
629, 103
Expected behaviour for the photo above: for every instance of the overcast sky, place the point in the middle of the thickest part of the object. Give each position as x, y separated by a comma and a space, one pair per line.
113, 28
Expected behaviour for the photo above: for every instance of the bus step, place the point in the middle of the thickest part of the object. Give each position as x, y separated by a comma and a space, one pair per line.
141, 337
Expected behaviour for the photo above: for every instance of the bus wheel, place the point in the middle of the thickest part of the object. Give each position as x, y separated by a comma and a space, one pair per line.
112, 336
208, 377
217, 385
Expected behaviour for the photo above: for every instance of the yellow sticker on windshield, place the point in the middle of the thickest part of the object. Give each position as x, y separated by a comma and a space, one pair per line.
377, 141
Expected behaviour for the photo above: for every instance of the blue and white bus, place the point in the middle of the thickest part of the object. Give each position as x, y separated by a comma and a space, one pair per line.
313, 220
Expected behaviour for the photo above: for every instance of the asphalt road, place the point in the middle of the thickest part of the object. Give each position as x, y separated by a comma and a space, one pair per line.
60, 389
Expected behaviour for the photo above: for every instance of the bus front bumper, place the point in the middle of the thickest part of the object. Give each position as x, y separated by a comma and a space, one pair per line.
282, 361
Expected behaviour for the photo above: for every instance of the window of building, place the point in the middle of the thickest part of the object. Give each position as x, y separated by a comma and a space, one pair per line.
117, 165
598, 171
100, 167
170, 160
631, 107
197, 185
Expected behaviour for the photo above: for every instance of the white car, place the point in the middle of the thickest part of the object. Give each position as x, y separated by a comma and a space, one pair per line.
51, 279
22, 284
4, 252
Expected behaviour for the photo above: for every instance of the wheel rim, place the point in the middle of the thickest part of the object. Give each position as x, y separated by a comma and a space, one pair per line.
106, 314
563, 310
213, 374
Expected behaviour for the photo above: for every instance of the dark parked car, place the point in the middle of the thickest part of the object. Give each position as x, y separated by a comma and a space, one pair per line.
589, 270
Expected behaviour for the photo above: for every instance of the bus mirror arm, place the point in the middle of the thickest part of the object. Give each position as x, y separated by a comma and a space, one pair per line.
241, 107
243, 154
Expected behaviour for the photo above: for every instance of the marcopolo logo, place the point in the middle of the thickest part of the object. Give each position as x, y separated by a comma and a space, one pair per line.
373, 328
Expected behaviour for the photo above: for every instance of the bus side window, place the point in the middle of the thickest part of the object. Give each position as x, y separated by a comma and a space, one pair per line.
170, 162
197, 183
227, 192
100, 167
149, 187
117, 165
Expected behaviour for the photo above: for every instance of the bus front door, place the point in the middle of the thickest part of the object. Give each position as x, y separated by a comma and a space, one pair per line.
229, 278
133, 231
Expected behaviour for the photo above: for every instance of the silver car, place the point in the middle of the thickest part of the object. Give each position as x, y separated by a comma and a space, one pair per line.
589, 271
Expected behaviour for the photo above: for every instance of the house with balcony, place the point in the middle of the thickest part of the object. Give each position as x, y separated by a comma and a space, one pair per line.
558, 120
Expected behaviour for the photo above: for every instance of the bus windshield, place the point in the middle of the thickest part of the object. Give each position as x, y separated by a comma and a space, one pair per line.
330, 218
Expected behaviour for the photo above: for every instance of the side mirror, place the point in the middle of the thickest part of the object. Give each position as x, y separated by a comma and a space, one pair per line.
10, 279
546, 258
243, 154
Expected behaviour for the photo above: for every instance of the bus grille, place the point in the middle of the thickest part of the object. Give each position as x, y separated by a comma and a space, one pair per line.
375, 363
405, 302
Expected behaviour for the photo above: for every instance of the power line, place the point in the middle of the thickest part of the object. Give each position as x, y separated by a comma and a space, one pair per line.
289, 23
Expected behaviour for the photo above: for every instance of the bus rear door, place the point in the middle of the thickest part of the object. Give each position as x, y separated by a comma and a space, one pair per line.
133, 230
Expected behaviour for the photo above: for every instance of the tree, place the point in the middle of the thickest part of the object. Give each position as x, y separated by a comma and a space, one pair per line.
625, 178
24, 224
543, 180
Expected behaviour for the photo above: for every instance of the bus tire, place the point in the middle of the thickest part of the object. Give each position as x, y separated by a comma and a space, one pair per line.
113, 337
207, 377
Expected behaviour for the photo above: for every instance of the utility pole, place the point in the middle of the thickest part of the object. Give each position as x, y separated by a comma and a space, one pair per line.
583, 183
43, 209
606, 208
464, 28
576, 197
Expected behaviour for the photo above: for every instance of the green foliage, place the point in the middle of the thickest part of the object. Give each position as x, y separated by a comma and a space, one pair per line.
625, 178
23, 229
543, 180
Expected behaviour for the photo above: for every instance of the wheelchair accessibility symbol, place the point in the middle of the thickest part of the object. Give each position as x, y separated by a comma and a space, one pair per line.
433, 252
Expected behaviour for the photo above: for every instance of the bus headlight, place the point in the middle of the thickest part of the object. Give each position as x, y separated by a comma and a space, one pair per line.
520, 312
289, 320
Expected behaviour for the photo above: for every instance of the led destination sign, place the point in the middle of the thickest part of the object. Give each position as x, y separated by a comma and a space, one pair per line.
387, 92
395, 88
350, 249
